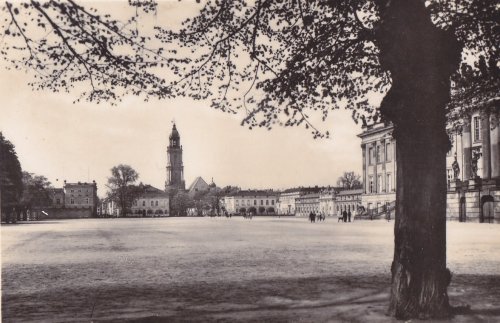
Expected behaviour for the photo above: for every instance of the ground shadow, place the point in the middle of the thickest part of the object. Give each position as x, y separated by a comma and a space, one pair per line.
311, 299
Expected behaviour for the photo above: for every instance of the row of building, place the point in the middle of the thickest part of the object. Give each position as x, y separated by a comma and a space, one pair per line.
150, 201
73, 200
296, 201
473, 177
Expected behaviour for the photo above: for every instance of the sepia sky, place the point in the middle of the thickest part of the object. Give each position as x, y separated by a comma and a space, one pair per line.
81, 141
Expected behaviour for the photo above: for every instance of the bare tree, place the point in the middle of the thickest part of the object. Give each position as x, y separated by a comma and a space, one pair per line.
282, 61
349, 180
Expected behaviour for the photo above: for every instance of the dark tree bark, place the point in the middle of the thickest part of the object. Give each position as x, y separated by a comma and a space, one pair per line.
421, 59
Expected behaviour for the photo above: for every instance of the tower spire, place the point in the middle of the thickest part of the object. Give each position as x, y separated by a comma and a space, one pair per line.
175, 168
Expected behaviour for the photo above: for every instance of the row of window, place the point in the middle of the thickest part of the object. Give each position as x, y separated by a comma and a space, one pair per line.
346, 207
249, 202
306, 209
346, 197
152, 203
380, 184
79, 191
375, 154
72, 201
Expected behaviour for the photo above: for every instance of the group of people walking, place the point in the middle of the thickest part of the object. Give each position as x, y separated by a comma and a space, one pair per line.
313, 217
344, 216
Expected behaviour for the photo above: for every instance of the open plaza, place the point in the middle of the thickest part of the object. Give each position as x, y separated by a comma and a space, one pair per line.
221, 269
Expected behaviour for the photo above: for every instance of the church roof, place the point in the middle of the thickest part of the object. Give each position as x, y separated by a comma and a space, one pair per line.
198, 182
174, 133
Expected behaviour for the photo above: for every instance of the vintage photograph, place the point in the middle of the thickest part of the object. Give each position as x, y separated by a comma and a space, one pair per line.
250, 161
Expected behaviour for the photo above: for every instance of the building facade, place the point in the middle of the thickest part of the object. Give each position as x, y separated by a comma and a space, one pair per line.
348, 200
151, 202
327, 202
175, 167
286, 202
306, 204
81, 195
57, 197
108, 208
287, 198
473, 169
255, 202
379, 166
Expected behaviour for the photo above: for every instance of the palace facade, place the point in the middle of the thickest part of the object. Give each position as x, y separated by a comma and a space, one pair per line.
379, 166
473, 169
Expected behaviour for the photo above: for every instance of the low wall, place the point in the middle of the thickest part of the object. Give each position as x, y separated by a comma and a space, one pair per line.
64, 213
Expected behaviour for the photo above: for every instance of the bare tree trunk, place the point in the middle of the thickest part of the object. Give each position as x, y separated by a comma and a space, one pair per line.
421, 59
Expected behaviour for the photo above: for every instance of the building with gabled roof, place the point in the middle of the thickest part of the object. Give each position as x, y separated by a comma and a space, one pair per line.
198, 185
151, 201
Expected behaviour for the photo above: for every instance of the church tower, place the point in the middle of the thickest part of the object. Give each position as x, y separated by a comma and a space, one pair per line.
175, 169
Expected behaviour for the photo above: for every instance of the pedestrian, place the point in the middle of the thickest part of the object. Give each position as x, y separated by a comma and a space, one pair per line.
344, 216
349, 215
339, 216
311, 217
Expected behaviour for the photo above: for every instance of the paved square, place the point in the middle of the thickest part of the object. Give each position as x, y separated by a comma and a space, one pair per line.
204, 269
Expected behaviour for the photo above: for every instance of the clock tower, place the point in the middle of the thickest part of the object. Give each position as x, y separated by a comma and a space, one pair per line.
175, 168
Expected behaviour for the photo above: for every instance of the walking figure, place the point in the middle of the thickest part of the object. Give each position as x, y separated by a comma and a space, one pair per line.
349, 215
344, 216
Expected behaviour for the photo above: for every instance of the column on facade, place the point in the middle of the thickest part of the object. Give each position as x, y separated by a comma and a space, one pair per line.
394, 162
485, 134
495, 144
365, 180
384, 171
467, 147
375, 166
367, 162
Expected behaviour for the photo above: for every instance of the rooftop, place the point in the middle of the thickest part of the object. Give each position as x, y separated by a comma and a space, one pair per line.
351, 192
254, 193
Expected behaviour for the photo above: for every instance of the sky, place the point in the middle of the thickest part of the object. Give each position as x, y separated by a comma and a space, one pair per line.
63, 140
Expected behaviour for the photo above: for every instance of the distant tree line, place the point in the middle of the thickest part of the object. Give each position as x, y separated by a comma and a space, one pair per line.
19, 190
